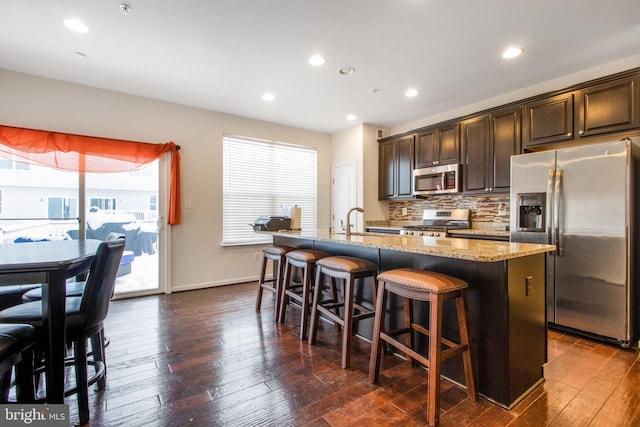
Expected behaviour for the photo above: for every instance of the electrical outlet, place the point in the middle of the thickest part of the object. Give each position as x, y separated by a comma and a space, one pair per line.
187, 204
528, 285
404, 211
501, 210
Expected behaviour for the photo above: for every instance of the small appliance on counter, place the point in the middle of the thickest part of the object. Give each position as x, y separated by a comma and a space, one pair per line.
272, 223
295, 213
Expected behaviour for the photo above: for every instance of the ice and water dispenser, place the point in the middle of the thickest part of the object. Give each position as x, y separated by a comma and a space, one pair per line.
531, 212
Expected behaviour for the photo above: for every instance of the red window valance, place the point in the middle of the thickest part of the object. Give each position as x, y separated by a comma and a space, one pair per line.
90, 154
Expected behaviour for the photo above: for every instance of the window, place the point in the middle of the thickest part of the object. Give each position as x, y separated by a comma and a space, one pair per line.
153, 202
14, 164
258, 178
102, 203
62, 208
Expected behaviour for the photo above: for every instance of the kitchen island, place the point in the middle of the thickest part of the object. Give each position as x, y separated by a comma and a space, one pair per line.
506, 300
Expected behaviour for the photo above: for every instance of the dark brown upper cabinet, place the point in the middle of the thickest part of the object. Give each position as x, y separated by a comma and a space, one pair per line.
396, 159
548, 120
594, 110
608, 107
437, 146
488, 142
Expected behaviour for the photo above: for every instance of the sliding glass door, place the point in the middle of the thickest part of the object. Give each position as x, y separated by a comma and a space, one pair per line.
41, 203
127, 203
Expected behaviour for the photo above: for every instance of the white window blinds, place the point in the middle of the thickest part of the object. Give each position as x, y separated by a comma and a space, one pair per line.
258, 178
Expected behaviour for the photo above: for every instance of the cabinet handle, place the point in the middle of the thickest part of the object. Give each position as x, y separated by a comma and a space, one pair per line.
436, 162
569, 134
581, 132
486, 189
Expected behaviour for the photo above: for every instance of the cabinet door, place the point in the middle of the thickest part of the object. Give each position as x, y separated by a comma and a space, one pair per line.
405, 167
505, 136
608, 107
548, 120
426, 152
387, 170
475, 149
448, 152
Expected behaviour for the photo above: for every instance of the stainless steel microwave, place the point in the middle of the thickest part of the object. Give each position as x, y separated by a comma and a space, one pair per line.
436, 180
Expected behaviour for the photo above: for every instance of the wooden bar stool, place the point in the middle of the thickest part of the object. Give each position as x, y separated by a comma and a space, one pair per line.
347, 270
434, 288
304, 261
277, 255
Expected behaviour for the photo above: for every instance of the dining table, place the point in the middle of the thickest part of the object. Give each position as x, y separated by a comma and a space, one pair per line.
50, 263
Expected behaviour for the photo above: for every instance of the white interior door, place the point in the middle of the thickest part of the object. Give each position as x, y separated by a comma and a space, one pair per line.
343, 194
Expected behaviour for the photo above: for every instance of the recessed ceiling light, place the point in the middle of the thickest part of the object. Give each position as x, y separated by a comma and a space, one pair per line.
351, 117
346, 71
125, 8
316, 60
410, 93
512, 52
76, 25
268, 97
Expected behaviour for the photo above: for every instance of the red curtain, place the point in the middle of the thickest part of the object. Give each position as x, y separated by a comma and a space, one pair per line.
90, 154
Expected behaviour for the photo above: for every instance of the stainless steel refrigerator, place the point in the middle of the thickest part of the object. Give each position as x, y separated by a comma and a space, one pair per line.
581, 200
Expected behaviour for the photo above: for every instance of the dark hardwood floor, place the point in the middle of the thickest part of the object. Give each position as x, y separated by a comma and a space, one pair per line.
205, 358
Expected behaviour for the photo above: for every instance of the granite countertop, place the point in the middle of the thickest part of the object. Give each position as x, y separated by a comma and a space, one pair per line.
468, 249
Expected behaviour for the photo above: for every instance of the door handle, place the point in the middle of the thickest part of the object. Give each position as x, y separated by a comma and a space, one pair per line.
559, 249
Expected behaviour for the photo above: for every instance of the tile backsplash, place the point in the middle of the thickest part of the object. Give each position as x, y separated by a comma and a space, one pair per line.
487, 212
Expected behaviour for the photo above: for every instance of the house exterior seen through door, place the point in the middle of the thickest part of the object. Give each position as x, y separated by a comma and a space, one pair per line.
39, 203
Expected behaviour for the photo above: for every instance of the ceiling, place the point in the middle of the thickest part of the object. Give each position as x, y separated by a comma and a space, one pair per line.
224, 55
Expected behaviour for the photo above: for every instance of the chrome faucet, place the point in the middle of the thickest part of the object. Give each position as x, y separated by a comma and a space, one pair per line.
348, 229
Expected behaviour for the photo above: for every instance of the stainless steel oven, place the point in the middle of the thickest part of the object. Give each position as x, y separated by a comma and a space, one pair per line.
436, 180
437, 222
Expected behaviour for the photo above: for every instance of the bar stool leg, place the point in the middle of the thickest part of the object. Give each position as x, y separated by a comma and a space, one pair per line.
279, 284
408, 322
263, 271
376, 343
347, 329
465, 338
435, 338
288, 271
313, 327
307, 284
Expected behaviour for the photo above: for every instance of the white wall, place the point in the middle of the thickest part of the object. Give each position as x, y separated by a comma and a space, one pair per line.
197, 260
359, 145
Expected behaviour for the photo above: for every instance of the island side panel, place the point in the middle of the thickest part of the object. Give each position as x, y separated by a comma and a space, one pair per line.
527, 323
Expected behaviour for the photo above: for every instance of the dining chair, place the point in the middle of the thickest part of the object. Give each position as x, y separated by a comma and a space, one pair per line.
16, 344
84, 320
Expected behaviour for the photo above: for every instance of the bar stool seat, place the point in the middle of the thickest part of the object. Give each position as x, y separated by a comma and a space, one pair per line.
277, 255
347, 270
303, 260
434, 288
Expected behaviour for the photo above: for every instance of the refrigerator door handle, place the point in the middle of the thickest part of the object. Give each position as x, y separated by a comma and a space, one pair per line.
558, 198
551, 235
